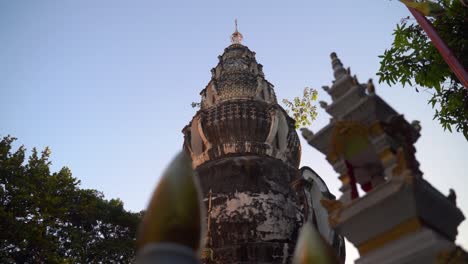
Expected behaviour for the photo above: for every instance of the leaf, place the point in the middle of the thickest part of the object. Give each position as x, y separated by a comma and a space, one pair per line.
412, 59
303, 111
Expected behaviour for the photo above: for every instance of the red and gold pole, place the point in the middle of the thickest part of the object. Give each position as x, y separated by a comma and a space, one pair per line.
443, 49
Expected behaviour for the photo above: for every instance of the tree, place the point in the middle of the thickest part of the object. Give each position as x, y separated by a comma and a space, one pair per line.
46, 218
413, 60
303, 110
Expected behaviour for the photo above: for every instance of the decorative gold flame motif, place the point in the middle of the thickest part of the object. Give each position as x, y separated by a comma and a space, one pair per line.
236, 37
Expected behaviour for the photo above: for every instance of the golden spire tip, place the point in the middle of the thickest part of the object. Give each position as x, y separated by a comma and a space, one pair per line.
236, 37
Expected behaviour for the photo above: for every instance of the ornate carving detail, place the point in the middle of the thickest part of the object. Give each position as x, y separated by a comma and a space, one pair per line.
238, 75
386, 156
237, 85
331, 205
332, 157
344, 132
207, 254
376, 129
333, 208
344, 178
246, 127
452, 256
402, 165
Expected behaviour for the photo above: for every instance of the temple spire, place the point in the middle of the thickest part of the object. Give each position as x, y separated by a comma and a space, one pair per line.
236, 37
337, 66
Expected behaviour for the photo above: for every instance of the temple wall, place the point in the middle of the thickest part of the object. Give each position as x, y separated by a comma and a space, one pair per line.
252, 208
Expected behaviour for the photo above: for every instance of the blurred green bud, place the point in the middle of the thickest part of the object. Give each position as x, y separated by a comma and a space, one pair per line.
175, 213
311, 248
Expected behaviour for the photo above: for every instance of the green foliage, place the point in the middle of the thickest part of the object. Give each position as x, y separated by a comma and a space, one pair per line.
413, 60
302, 109
46, 218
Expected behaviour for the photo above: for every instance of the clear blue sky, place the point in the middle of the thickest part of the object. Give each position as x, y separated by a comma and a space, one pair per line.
108, 84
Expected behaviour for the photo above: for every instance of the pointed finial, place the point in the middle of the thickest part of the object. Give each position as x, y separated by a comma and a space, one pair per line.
337, 66
370, 87
236, 37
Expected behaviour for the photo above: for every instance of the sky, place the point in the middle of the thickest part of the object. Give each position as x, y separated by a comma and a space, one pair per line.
108, 85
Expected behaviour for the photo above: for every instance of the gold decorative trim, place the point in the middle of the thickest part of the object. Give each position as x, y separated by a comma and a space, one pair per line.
376, 129
333, 208
332, 157
331, 205
334, 218
402, 164
386, 155
454, 255
345, 179
207, 254
342, 132
406, 227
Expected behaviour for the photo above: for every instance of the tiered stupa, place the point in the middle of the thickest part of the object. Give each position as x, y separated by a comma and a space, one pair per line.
399, 217
246, 152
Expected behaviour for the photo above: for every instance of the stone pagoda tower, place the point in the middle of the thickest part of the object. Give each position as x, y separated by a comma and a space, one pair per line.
399, 216
246, 152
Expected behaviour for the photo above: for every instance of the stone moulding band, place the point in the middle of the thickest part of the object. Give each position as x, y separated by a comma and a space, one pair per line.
240, 149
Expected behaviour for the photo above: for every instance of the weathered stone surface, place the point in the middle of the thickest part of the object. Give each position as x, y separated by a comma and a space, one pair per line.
246, 174
246, 153
239, 115
240, 120
254, 214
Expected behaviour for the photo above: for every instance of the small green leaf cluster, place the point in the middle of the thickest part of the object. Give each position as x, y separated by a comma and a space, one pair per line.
413, 60
302, 109
46, 218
